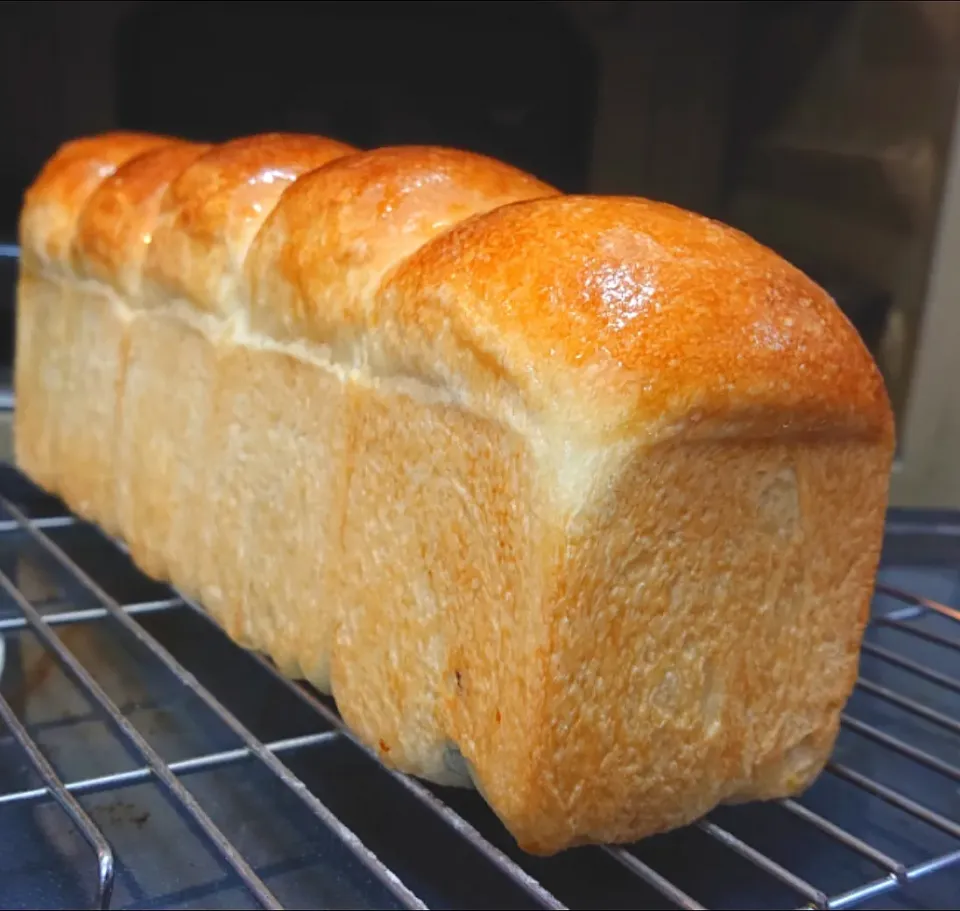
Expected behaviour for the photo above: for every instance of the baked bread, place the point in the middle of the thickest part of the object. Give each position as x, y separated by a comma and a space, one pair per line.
578, 500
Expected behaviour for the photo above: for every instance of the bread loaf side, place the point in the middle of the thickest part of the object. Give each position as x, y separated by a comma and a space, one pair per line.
578, 500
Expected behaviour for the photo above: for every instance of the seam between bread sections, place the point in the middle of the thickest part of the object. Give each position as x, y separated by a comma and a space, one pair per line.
574, 466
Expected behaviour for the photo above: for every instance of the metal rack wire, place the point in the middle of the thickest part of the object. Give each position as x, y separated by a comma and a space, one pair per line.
528, 876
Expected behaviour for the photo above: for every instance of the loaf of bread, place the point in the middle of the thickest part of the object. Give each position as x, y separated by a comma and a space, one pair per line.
576, 500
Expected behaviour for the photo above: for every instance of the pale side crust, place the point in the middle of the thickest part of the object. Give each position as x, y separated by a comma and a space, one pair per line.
39, 368
277, 439
444, 525
694, 632
167, 395
89, 402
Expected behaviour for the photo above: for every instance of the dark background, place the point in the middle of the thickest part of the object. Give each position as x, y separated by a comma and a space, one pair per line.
514, 80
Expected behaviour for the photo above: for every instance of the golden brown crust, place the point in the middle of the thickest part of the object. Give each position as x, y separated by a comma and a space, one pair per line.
55, 199
212, 212
641, 312
116, 225
339, 229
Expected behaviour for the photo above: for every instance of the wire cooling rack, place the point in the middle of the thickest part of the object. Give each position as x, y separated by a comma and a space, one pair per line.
150, 763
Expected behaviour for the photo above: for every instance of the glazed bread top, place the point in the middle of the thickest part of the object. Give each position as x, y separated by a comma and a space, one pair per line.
116, 226
629, 319
213, 210
319, 258
624, 319
54, 201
